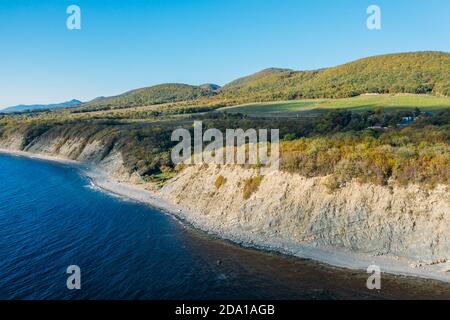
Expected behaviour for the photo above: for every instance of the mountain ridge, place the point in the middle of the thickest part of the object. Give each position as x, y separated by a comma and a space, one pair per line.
32, 107
424, 72
412, 72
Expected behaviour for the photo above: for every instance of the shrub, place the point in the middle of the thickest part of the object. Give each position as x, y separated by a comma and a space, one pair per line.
220, 181
332, 184
251, 185
407, 156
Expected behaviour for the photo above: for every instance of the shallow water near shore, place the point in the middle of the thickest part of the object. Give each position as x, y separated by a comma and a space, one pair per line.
51, 217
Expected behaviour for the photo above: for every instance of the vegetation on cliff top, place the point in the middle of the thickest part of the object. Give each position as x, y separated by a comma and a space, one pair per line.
338, 143
408, 156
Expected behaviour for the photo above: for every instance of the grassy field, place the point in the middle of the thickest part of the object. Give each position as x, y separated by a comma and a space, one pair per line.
362, 103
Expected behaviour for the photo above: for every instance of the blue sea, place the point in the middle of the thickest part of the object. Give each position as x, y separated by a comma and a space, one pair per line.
51, 217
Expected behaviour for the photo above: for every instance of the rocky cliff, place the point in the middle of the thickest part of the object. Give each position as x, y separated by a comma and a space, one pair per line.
406, 222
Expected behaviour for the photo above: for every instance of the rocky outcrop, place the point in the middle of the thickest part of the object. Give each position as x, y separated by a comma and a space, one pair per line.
80, 149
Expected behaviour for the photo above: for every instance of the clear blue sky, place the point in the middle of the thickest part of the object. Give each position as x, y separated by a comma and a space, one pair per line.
126, 44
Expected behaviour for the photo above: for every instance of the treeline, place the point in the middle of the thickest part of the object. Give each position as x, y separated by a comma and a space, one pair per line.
406, 156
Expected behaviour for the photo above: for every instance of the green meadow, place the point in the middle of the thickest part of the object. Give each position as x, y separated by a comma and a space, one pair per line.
312, 107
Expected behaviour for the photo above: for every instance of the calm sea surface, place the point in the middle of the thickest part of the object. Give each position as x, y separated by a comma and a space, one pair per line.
51, 217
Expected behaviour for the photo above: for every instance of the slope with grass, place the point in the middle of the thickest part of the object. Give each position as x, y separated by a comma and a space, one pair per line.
313, 107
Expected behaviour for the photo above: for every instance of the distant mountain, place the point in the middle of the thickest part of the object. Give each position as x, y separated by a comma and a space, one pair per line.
21, 108
210, 86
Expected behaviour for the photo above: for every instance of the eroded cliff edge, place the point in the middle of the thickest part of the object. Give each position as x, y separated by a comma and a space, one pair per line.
286, 209
407, 222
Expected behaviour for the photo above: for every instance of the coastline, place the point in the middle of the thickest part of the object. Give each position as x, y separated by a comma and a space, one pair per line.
328, 255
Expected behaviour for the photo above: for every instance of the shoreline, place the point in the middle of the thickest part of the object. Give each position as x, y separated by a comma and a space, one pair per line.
336, 257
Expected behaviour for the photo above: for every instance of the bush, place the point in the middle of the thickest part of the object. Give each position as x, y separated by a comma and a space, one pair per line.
220, 181
251, 185
333, 184
407, 156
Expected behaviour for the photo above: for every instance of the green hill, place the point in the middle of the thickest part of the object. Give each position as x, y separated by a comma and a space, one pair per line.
417, 73
414, 73
163, 93
265, 75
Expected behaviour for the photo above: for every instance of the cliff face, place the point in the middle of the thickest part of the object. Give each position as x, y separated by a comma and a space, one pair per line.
73, 148
407, 222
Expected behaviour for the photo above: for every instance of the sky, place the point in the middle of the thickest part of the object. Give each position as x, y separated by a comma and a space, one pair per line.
128, 44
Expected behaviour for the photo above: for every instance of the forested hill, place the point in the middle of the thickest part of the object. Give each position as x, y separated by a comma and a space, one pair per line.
163, 93
417, 72
420, 72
